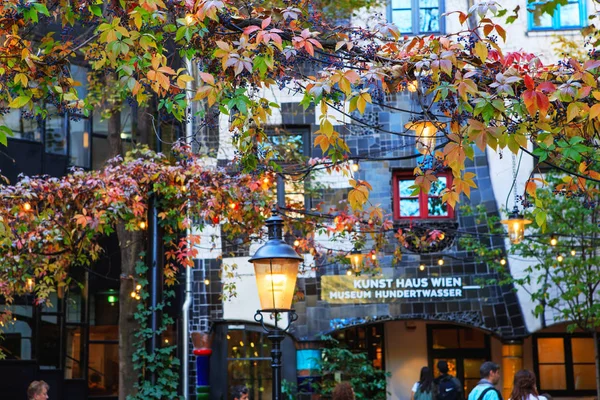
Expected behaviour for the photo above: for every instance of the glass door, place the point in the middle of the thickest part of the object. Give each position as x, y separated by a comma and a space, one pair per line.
464, 349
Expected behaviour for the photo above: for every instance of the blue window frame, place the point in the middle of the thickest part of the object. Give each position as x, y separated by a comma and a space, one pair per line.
569, 16
416, 17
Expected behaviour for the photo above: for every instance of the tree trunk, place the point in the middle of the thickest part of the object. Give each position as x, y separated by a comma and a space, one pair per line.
597, 351
130, 244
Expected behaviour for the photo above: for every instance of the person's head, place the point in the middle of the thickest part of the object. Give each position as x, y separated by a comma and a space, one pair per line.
490, 371
343, 391
524, 385
442, 366
239, 393
38, 390
425, 380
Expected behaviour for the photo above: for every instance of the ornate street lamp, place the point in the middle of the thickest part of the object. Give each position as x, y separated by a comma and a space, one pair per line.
516, 226
276, 268
426, 131
356, 258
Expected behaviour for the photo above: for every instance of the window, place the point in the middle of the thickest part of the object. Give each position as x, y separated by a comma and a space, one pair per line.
416, 17
249, 362
569, 16
368, 339
423, 205
565, 364
464, 349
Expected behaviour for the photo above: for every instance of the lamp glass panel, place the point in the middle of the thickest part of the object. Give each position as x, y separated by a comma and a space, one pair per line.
276, 282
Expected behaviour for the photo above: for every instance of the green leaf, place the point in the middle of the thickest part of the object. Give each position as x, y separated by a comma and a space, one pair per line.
19, 101
5, 132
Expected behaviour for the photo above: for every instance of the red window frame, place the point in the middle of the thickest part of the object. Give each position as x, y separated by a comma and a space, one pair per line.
423, 198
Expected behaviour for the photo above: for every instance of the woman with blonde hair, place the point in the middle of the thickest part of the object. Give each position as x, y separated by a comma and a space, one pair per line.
524, 387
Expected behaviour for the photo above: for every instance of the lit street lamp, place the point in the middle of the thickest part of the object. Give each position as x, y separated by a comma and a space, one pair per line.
276, 268
516, 226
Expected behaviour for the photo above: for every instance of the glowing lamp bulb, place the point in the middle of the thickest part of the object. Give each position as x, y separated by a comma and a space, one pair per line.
425, 134
412, 86
266, 181
233, 206
553, 241
137, 297
355, 167
441, 261
422, 267
167, 341
142, 225
573, 252
296, 243
349, 273
206, 282
30, 283
138, 287
373, 256
27, 207
559, 258
133, 295
503, 262
515, 225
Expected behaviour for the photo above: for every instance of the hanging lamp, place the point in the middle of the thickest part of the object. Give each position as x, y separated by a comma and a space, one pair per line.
426, 134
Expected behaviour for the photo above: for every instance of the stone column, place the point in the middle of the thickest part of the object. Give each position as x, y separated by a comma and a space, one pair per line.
308, 358
202, 351
512, 361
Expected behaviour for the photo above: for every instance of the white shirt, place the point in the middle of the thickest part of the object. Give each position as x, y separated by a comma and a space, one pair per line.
416, 387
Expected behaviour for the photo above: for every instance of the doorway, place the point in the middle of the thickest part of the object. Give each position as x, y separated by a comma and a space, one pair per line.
465, 349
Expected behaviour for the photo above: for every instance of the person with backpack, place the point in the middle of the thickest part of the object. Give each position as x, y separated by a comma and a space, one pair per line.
448, 387
424, 389
490, 376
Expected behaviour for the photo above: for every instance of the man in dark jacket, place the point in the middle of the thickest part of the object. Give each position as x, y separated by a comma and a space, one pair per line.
448, 387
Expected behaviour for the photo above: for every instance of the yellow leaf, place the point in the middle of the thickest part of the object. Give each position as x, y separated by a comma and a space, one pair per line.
19, 102
481, 51
595, 111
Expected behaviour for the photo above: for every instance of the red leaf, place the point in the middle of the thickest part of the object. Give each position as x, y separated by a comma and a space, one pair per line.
529, 82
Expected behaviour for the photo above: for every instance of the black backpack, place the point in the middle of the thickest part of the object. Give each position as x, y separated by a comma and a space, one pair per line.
447, 389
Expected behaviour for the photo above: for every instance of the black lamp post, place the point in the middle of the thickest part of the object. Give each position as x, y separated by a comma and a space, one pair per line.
276, 268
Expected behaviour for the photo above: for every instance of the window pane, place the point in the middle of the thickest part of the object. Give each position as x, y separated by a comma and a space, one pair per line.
107, 332
429, 20
22, 126
401, 4
541, 20
471, 368
551, 350
73, 354
569, 15
103, 369
445, 339
429, 3
585, 377
553, 377
583, 350
403, 20
56, 135
472, 339
405, 187
80, 143
16, 340
436, 207
79, 74
438, 186
409, 208
255, 375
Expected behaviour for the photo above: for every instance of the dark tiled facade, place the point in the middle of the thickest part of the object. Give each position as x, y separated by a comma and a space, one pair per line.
492, 308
